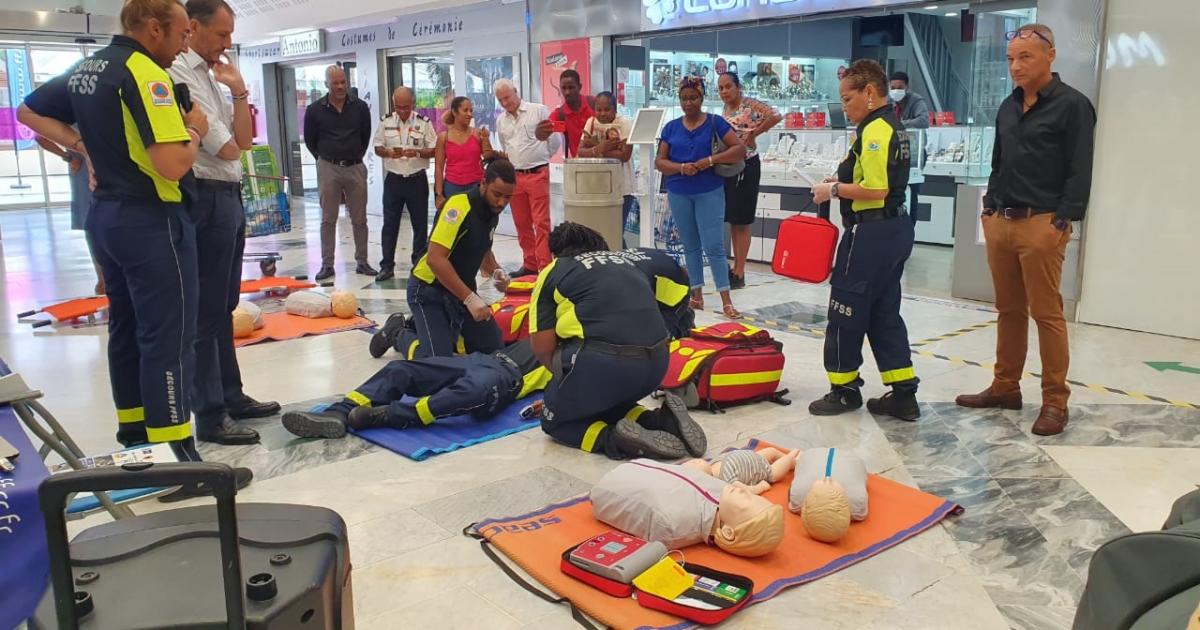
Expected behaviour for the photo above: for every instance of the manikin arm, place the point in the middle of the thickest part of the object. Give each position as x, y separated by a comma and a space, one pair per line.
781, 463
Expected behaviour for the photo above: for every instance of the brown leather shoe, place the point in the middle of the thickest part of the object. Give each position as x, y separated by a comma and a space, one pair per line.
987, 400
1051, 421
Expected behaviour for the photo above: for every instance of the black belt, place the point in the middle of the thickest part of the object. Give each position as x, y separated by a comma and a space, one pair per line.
527, 171
627, 352
343, 162
868, 216
218, 183
1015, 213
420, 173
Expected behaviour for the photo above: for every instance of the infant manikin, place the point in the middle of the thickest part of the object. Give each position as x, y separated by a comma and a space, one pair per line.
680, 506
756, 470
828, 491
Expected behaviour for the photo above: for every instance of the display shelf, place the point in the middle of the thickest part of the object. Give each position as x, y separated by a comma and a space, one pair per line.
959, 151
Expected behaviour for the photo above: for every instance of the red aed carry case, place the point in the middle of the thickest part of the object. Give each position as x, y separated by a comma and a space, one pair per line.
254, 565
511, 311
728, 364
804, 248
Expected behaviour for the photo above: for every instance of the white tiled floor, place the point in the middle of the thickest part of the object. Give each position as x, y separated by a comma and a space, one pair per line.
412, 566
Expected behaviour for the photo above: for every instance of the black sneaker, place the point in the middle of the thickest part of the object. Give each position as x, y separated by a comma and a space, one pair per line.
838, 400
325, 273
735, 281
897, 405
372, 418
679, 422
385, 273
196, 490
521, 271
364, 269
633, 440
309, 424
386, 337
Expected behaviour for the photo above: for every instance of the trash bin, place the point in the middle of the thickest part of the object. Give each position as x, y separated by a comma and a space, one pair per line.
592, 196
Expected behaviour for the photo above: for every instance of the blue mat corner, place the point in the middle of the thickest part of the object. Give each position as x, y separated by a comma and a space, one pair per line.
450, 434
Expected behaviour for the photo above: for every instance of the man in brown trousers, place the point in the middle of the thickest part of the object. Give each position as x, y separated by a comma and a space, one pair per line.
1041, 179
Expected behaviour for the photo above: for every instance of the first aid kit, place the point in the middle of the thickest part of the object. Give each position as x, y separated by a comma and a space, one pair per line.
804, 248
253, 565
511, 312
728, 364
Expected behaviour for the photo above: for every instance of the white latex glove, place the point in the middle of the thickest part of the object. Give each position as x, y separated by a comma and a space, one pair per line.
477, 308
500, 280
821, 192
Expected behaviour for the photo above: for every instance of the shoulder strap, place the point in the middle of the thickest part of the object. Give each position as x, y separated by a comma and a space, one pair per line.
485, 544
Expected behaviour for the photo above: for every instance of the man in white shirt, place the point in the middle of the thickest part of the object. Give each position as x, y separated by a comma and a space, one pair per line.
405, 140
528, 140
215, 205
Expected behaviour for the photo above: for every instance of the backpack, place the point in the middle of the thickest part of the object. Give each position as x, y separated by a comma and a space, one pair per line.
726, 364
511, 311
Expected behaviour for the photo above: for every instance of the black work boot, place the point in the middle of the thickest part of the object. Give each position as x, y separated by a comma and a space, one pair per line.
839, 400
386, 337
897, 404
372, 418
627, 439
677, 421
324, 424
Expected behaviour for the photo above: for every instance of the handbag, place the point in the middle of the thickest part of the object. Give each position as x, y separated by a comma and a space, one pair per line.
724, 170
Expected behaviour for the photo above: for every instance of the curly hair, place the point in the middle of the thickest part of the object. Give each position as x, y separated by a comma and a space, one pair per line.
572, 239
866, 72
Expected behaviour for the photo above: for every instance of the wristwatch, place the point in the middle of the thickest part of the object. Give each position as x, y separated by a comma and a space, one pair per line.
833, 190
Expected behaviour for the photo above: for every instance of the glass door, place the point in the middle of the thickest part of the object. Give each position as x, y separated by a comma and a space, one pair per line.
431, 76
299, 87
21, 174
47, 63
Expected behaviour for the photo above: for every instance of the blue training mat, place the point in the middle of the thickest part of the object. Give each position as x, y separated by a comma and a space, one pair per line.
451, 434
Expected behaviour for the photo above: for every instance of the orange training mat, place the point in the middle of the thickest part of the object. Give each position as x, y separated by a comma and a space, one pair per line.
282, 326
535, 541
273, 283
82, 307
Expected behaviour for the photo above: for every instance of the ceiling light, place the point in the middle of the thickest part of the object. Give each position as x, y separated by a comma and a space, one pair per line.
951, 14
932, 7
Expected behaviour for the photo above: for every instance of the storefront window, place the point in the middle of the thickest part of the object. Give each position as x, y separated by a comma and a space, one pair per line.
431, 76
48, 63
482, 73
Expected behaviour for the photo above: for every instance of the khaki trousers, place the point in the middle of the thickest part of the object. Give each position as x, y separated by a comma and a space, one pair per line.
335, 183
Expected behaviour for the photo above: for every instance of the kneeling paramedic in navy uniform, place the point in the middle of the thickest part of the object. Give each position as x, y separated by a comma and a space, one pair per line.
477, 384
441, 290
140, 146
593, 321
864, 299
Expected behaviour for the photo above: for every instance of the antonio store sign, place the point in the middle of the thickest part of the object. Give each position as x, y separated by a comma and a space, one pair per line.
300, 44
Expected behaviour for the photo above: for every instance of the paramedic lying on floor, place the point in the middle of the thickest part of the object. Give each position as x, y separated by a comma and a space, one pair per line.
593, 321
477, 384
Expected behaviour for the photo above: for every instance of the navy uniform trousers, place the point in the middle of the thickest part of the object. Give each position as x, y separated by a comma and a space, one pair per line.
147, 253
437, 387
864, 301
441, 320
400, 192
594, 386
220, 242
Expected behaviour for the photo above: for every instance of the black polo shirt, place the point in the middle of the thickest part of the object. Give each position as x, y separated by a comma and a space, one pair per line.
333, 135
669, 280
465, 225
599, 295
123, 103
1042, 158
879, 160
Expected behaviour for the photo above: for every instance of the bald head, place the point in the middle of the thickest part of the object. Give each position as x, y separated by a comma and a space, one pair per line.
335, 82
403, 100
1031, 55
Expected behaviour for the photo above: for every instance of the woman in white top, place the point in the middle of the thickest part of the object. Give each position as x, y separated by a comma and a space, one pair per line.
605, 135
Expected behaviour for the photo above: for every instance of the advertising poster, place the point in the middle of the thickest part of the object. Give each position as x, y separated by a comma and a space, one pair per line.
556, 57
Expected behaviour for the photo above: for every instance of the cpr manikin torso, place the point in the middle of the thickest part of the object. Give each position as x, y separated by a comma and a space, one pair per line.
756, 470
828, 491
680, 506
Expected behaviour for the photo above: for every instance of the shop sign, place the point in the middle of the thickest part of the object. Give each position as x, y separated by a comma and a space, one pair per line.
306, 43
661, 14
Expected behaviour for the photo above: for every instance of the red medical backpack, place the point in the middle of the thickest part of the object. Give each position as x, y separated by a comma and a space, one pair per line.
728, 364
804, 248
510, 312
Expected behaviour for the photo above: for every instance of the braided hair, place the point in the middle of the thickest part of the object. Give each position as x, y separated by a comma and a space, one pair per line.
572, 239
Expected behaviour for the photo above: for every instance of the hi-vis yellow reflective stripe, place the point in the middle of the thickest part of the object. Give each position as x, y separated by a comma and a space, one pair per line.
895, 376
590, 436
461, 345
843, 378
746, 378
636, 412
567, 323
696, 361
359, 399
535, 381
668, 292
173, 433
167, 190
412, 349
423, 411
534, 324
156, 91
129, 416
871, 167
518, 317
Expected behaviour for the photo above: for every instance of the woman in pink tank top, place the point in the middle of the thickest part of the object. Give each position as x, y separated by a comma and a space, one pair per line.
461, 149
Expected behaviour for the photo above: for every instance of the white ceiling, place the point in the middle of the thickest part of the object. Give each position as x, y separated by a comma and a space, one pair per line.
265, 20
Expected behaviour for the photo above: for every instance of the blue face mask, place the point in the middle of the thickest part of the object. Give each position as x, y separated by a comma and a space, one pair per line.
897, 95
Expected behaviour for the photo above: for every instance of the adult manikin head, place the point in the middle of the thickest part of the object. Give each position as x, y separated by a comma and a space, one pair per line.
747, 525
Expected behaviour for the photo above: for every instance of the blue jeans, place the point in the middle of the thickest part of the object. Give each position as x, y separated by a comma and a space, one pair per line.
628, 206
700, 220
449, 189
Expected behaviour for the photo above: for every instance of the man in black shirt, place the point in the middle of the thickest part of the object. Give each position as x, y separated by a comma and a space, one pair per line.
337, 131
1041, 178
593, 320
441, 289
